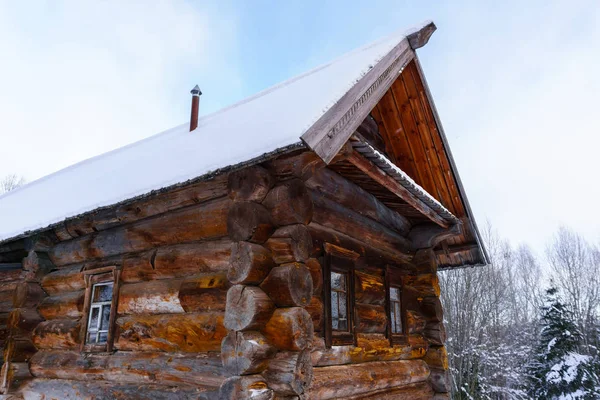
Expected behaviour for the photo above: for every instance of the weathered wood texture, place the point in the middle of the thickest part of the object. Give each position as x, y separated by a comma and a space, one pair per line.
195, 294
250, 184
246, 353
250, 263
247, 308
369, 289
290, 243
289, 285
290, 329
150, 206
66, 305
249, 221
130, 367
353, 380
251, 387
316, 273
289, 203
57, 334
44, 389
336, 188
370, 318
370, 347
414, 391
198, 332
200, 222
167, 262
289, 373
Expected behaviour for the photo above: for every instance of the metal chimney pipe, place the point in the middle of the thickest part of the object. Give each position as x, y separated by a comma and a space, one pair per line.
196, 93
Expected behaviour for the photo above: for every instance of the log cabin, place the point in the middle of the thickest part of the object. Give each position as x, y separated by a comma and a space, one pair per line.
286, 247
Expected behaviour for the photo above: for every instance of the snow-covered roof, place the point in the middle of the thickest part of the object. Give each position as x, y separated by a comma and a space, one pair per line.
272, 120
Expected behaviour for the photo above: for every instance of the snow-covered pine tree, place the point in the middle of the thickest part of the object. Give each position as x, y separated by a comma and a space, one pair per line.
559, 370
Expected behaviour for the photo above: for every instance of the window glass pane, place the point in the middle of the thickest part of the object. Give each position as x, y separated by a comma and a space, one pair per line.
95, 315
103, 337
334, 310
338, 281
396, 317
394, 294
91, 337
105, 318
102, 293
343, 313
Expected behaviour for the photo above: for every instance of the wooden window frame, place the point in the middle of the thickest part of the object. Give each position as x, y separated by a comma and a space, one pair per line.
110, 274
340, 260
395, 338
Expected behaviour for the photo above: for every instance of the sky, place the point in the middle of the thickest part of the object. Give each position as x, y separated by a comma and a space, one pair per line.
515, 83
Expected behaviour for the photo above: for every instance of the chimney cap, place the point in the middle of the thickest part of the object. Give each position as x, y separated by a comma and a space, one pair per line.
196, 91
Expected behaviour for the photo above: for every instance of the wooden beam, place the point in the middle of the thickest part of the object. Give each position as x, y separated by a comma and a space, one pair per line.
395, 187
420, 37
329, 134
457, 248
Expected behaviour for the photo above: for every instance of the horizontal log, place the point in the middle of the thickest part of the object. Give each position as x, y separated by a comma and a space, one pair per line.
354, 380
290, 243
369, 289
437, 357
289, 203
435, 333
42, 389
415, 322
315, 309
22, 322
15, 375
316, 272
440, 380
252, 387
249, 221
199, 222
66, 305
248, 308
171, 332
250, 263
414, 391
370, 347
355, 198
289, 285
129, 367
205, 292
289, 373
322, 234
370, 318
431, 308
334, 216
302, 166
245, 353
167, 262
152, 205
250, 184
18, 350
290, 329
28, 295
428, 284
57, 334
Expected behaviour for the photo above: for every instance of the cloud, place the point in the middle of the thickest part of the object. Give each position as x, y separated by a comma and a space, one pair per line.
81, 78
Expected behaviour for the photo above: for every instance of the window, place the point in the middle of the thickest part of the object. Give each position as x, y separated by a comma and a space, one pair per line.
100, 308
393, 282
395, 310
339, 301
99, 319
338, 295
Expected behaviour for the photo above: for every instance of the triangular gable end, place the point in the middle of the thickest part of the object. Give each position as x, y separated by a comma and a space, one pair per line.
413, 152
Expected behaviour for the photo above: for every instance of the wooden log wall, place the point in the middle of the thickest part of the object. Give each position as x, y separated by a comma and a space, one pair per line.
174, 255
21, 294
346, 215
221, 294
270, 330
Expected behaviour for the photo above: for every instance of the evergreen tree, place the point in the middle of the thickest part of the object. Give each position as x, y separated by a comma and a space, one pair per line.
559, 371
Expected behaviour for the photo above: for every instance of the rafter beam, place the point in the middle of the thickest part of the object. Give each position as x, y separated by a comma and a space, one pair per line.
378, 175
